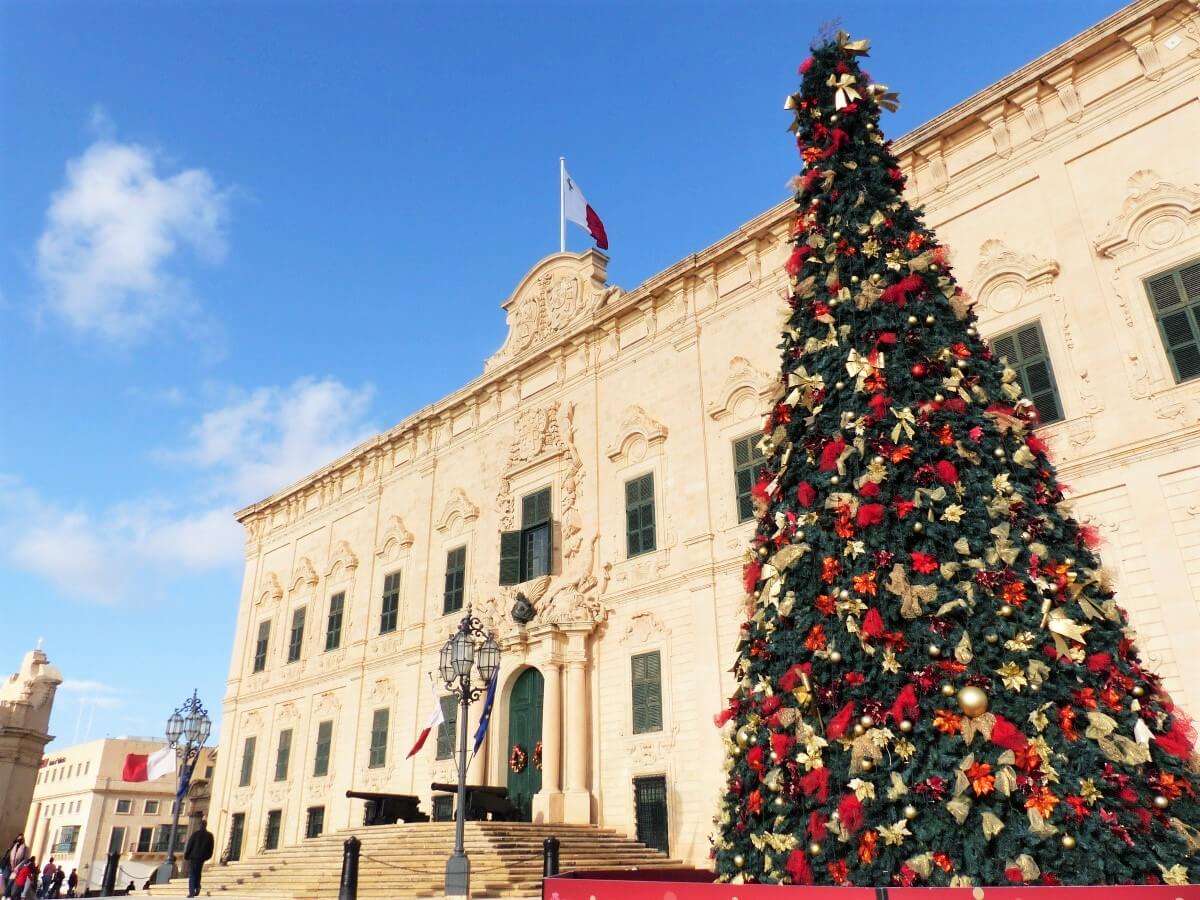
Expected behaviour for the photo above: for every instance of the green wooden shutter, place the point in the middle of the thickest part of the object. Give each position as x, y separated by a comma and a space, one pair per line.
390, 612
379, 735
324, 744
333, 628
646, 671
448, 730
510, 557
639, 515
1175, 296
283, 755
1025, 350
247, 761
748, 463
260, 646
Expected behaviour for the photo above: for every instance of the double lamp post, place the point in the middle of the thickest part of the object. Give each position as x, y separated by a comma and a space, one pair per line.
469, 647
187, 730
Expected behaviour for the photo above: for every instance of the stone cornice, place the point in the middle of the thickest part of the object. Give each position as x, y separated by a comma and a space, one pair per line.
934, 140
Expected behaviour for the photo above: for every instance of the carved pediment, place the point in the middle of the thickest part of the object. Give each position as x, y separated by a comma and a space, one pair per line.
558, 293
1004, 278
271, 590
396, 539
1156, 213
458, 511
636, 423
342, 557
744, 380
304, 575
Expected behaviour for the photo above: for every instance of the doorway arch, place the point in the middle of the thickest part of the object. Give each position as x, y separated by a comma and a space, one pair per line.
525, 731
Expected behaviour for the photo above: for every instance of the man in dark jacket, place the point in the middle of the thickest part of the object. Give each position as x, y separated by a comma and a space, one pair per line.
198, 851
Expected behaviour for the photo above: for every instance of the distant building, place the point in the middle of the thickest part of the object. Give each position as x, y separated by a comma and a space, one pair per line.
82, 810
26, 699
601, 466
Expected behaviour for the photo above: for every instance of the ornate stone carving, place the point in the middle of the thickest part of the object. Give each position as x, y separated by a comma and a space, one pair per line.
743, 380
1003, 277
270, 590
287, 712
994, 119
1156, 214
252, 721
327, 703
636, 422
382, 690
561, 291
573, 596
540, 434
344, 557
396, 539
643, 627
458, 509
305, 574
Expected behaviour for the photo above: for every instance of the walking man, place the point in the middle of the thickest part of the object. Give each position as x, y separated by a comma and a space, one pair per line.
198, 851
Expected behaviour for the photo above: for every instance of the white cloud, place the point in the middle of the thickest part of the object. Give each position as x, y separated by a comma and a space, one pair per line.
97, 693
113, 233
257, 443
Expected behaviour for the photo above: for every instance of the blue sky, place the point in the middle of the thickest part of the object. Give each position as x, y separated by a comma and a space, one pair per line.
236, 238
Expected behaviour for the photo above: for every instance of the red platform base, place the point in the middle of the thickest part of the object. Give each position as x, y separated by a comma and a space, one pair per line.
696, 884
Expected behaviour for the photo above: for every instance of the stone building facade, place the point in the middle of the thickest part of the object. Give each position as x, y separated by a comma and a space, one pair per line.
82, 810
26, 699
1070, 193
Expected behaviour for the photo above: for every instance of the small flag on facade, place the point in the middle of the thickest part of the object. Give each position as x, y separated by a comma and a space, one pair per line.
486, 716
147, 767
435, 719
576, 209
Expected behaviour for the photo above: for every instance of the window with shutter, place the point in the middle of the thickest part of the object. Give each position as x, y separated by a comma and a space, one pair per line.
639, 515
379, 735
260, 646
646, 670
314, 824
526, 554
271, 838
748, 463
390, 614
448, 730
247, 761
1025, 350
324, 744
456, 573
296, 639
333, 628
1175, 298
283, 755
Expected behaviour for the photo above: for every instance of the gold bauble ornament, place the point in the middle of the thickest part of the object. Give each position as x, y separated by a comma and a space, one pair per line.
1069, 842
866, 721
929, 320
947, 689
839, 385
743, 737
1161, 802
972, 331
814, 849
739, 860
858, 730
835, 657
910, 812
918, 527
843, 594
1139, 691
935, 651
763, 551
973, 701
912, 320
1006, 611
799, 535
867, 765
834, 480
998, 452
779, 803
753, 739
774, 756
906, 726
876, 277
991, 638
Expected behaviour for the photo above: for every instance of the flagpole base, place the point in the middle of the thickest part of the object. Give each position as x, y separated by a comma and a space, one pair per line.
458, 875
164, 873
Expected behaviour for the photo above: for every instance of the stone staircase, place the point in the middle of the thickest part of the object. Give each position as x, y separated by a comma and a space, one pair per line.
406, 862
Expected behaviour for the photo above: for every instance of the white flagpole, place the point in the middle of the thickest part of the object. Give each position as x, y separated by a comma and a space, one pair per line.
562, 204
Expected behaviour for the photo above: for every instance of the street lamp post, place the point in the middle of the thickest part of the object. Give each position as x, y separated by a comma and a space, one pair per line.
469, 647
187, 730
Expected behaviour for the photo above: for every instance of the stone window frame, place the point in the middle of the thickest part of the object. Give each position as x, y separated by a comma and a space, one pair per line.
639, 449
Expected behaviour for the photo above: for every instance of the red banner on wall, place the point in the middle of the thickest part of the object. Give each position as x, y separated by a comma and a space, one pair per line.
654, 885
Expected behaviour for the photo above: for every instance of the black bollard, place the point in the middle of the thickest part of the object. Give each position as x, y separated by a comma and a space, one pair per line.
348, 890
550, 856
108, 882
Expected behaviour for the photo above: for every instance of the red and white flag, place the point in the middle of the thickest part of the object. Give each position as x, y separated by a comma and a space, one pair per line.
148, 766
435, 719
576, 209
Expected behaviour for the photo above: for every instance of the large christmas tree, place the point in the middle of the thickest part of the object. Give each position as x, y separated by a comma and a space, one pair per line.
935, 683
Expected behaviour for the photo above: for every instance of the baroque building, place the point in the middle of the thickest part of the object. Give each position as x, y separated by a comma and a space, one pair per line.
600, 467
82, 810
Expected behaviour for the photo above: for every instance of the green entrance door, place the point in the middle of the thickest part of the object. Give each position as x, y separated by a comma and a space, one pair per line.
525, 731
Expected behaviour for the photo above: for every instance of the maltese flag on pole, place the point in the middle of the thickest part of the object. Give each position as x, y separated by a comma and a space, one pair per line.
435, 719
147, 767
576, 209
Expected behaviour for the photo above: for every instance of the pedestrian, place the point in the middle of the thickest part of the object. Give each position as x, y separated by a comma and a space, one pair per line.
18, 855
47, 876
198, 851
56, 884
25, 884
72, 883
130, 888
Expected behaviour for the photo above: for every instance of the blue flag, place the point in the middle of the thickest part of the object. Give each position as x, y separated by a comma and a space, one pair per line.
486, 716
185, 781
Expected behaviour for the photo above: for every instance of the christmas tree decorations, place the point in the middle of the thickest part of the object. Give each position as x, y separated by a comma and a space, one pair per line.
935, 685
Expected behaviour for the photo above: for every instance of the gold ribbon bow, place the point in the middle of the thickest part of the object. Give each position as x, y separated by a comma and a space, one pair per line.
858, 48
905, 423
859, 366
1063, 626
888, 100
846, 89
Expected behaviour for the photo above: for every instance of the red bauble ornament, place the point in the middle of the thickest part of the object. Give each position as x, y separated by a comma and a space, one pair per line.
918, 370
